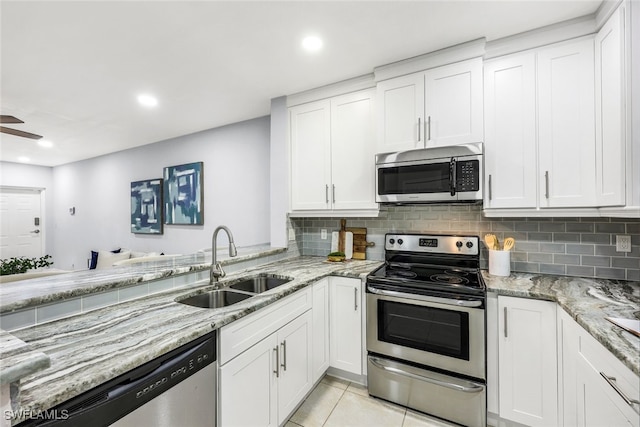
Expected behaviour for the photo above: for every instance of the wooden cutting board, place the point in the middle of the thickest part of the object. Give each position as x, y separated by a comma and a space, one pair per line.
359, 242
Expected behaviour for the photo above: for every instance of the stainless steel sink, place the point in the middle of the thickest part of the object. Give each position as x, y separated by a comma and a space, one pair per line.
260, 283
215, 299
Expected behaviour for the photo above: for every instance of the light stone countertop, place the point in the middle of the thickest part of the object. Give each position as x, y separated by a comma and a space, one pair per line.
87, 350
587, 301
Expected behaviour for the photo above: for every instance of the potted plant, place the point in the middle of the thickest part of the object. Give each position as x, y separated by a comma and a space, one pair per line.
18, 265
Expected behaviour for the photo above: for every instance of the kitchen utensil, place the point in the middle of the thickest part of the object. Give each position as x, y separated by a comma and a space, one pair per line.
341, 234
348, 245
509, 243
491, 241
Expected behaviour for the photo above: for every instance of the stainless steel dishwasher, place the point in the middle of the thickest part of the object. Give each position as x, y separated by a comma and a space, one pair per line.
176, 389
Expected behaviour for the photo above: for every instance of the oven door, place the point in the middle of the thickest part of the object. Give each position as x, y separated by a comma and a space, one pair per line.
442, 333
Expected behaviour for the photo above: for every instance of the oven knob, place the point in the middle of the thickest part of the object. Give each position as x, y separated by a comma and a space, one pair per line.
400, 241
391, 241
469, 245
459, 244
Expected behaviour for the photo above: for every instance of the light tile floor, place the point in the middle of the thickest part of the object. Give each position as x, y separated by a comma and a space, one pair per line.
340, 403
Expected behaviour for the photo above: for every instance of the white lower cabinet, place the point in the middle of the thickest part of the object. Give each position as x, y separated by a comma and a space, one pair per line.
346, 344
528, 371
263, 381
320, 355
594, 382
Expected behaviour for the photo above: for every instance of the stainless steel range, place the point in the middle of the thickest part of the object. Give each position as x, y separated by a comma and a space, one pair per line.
426, 327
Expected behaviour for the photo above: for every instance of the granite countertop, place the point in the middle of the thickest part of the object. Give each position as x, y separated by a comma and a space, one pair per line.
62, 359
33, 292
89, 349
588, 302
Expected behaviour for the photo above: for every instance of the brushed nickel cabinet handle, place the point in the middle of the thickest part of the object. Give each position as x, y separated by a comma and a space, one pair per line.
505, 323
326, 193
277, 371
333, 192
429, 128
490, 195
612, 383
355, 298
284, 355
419, 128
546, 184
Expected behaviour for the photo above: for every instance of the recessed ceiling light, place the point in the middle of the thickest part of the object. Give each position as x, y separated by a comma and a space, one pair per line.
24, 159
45, 143
312, 43
147, 100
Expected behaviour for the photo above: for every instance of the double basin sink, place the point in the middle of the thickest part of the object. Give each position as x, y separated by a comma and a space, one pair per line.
236, 292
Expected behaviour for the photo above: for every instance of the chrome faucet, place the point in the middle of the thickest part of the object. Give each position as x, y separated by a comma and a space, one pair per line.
216, 269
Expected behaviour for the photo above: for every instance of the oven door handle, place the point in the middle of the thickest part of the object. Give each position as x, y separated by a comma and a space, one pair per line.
380, 364
447, 301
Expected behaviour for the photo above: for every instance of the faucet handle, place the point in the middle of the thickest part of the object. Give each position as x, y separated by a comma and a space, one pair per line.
220, 272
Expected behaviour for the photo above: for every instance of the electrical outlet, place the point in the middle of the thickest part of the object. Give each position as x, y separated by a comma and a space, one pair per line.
623, 243
323, 234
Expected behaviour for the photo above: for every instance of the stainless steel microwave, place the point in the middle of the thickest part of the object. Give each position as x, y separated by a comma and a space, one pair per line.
429, 175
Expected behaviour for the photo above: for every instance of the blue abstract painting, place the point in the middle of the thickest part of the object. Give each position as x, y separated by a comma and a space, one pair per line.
183, 194
146, 206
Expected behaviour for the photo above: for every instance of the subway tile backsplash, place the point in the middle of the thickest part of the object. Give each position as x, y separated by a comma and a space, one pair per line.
566, 246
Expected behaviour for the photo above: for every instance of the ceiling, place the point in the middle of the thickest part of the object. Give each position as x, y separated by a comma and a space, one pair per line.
72, 70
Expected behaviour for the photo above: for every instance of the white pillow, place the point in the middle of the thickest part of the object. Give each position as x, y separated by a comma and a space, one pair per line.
106, 258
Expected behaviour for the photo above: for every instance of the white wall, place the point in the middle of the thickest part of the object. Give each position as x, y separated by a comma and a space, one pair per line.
236, 194
29, 176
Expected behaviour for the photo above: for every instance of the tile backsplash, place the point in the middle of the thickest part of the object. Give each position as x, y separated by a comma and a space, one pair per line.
583, 247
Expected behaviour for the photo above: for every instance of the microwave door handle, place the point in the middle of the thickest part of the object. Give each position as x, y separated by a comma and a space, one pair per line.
452, 176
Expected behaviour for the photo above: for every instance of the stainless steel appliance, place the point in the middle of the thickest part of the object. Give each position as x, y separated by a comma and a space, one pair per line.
427, 175
178, 388
426, 327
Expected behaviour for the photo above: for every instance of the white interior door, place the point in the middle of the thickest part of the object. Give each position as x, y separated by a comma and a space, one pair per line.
21, 228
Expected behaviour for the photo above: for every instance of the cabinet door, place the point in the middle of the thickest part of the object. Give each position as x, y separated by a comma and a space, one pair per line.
510, 131
528, 361
310, 155
453, 103
320, 351
567, 124
596, 404
352, 151
401, 113
346, 325
610, 123
294, 380
250, 379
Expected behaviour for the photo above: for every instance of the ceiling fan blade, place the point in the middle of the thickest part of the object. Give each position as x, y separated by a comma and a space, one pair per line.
9, 119
19, 133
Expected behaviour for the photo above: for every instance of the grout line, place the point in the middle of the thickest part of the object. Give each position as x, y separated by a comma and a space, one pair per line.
336, 405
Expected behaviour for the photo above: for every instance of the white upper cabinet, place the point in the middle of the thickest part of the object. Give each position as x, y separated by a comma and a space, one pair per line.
510, 132
401, 113
310, 155
566, 124
442, 106
453, 103
610, 101
332, 154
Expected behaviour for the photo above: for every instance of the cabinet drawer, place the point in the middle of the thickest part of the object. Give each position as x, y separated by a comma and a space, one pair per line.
607, 364
242, 334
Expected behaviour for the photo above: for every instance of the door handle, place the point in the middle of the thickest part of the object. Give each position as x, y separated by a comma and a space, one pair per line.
36, 231
277, 371
284, 355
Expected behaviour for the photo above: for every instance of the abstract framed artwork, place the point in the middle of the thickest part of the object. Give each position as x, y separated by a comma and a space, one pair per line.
146, 206
183, 194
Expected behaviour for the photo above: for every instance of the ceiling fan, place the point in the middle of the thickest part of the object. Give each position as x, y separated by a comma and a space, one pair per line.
11, 119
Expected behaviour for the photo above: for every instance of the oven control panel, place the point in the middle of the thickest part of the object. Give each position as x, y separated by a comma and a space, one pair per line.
464, 245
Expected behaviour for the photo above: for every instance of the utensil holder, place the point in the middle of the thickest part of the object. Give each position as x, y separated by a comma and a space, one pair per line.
499, 263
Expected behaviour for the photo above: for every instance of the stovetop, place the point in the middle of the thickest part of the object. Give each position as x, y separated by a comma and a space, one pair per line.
423, 263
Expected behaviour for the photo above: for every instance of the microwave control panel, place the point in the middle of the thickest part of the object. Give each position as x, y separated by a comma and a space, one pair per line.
467, 175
